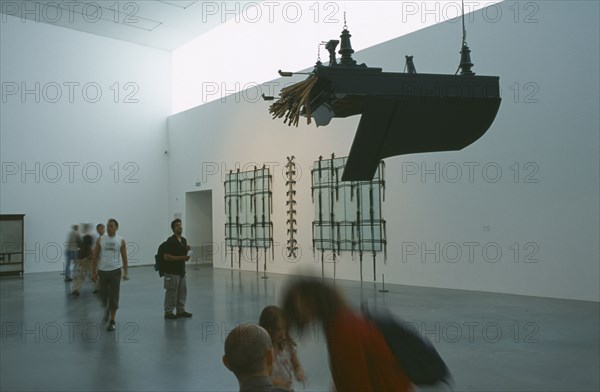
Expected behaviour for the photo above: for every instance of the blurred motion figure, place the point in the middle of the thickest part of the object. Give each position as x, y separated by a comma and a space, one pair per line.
359, 357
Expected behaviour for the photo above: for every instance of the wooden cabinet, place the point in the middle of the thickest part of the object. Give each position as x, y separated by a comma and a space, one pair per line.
12, 244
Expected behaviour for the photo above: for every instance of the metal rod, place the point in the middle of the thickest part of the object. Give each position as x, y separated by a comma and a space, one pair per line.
265, 268
321, 218
322, 263
331, 211
382, 221
383, 290
238, 224
359, 229
270, 223
230, 218
263, 224
382, 178
255, 217
372, 224
271, 244
360, 257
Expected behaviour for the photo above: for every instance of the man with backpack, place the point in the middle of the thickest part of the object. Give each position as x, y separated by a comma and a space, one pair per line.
175, 255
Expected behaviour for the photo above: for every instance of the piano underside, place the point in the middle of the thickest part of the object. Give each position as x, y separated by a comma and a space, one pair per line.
406, 113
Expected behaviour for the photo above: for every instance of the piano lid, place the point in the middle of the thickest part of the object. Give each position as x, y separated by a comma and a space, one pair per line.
402, 113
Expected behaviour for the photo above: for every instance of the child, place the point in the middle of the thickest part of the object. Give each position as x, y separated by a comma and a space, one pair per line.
285, 363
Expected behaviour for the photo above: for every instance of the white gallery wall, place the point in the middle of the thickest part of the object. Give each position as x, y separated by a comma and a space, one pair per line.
241, 52
83, 136
516, 212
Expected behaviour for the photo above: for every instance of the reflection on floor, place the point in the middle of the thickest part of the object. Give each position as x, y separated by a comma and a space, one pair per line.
491, 342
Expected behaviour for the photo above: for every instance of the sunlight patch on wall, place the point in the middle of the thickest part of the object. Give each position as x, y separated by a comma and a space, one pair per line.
248, 49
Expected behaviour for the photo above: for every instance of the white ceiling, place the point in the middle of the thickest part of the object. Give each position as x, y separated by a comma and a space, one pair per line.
159, 24
169, 24
259, 32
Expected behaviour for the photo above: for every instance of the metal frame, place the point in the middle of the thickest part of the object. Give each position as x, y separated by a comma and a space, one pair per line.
348, 214
253, 227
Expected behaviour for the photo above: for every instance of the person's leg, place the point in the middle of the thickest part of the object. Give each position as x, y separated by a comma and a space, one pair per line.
181, 298
85, 271
67, 263
171, 283
114, 288
79, 276
103, 285
69, 255
97, 283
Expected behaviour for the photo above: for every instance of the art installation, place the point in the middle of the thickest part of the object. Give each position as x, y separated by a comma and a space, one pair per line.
347, 213
248, 208
292, 243
402, 113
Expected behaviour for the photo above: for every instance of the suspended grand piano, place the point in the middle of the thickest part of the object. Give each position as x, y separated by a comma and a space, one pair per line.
402, 113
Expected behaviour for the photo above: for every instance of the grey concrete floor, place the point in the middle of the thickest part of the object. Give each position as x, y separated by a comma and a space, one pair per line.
491, 342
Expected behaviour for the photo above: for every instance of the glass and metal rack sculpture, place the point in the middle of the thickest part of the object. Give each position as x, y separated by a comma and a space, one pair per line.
248, 209
348, 214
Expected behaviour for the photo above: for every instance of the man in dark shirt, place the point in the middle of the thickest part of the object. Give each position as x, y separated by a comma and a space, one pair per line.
176, 254
249, 355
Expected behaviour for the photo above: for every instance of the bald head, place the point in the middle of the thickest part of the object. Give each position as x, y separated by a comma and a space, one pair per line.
248, 351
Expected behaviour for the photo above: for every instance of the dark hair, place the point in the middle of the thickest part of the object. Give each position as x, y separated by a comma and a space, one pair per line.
322, 300
114, 221
100, 224
270, 317
175, 221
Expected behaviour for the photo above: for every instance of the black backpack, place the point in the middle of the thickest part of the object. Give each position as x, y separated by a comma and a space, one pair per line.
417, 355
159, 259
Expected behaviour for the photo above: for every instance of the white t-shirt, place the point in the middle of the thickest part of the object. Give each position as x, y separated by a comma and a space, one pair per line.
110, 253
282, 364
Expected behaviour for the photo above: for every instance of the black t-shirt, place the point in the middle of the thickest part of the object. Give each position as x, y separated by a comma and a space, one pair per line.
175, 248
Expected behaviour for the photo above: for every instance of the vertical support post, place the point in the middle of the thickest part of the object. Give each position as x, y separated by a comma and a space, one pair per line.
263, 223
320, 185
230, 214
372, 225
255, 215
359, 228
332, 190
238, 224
383, 290
381, 220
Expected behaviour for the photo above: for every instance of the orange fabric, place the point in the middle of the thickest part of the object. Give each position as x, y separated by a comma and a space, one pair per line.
359, 357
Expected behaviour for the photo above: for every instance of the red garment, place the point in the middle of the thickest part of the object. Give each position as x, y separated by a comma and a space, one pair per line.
359, 357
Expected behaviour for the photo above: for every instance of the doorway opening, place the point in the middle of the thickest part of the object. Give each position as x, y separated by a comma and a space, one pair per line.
199, 226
